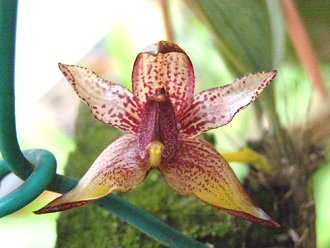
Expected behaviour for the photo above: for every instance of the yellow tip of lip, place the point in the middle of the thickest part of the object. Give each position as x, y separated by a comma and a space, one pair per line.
155, 153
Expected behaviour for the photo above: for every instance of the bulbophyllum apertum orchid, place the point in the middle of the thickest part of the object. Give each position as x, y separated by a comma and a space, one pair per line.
161, 118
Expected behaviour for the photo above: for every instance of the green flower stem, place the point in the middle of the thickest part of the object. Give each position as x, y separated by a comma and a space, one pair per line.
282, 141
15, 161
149, 224
278, 33
137, 217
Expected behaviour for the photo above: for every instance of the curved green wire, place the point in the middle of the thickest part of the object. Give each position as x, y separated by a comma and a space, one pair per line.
9, 147
4, 171
34, 185
15, 161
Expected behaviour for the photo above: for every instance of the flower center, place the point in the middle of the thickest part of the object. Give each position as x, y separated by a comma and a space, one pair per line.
158, 134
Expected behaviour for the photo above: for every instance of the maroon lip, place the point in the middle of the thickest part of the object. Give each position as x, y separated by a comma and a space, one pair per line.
158, 122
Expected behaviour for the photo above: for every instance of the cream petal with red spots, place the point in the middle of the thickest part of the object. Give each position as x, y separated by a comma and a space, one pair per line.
216, 107
118, 168
109, 102
200, 170
164, 65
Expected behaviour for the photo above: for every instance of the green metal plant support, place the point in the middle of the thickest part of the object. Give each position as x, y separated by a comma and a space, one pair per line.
38, 167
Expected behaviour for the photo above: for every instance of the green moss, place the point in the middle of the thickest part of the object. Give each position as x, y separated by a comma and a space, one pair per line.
91, 226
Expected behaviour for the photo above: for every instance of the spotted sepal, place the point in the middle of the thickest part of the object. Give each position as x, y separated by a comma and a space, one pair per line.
118, 168
200, 170
109, 102
216, 107
164, 65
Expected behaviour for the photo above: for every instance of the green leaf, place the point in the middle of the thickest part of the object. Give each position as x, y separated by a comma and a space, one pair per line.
242, 31
278, 32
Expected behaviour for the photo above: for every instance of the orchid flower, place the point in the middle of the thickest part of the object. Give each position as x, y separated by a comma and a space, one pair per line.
161, 118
